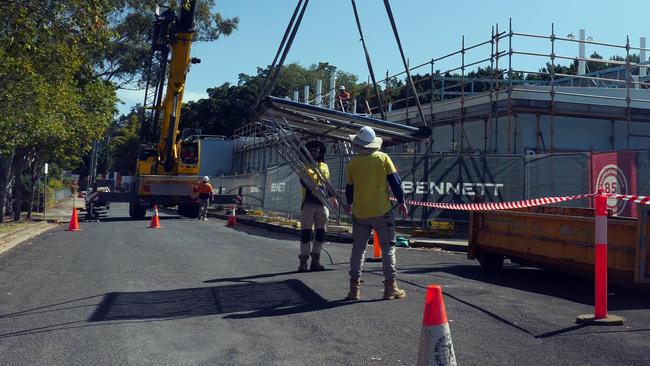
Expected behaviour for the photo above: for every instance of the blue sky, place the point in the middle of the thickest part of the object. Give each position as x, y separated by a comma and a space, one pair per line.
428, 29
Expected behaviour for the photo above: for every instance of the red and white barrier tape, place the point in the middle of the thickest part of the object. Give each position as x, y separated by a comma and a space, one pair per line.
490, 206
644, 200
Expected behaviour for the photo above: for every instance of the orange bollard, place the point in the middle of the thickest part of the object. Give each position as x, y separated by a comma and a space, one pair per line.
155, 221
600, 315
436, 347
74, 221
376, 249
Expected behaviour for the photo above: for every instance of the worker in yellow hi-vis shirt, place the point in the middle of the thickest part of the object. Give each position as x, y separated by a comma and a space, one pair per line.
369, 176
313, 212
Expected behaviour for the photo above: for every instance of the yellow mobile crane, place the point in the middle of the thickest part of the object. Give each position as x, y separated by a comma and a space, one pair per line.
168, 163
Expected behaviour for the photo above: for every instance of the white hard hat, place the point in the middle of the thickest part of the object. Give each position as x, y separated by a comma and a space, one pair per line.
367, 138
342, 87
206, 179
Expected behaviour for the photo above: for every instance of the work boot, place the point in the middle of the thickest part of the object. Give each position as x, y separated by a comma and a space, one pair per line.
355, 289
303, 263
315, 263
391, 291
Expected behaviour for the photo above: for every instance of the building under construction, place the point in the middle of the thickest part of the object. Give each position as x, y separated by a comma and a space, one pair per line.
509, 134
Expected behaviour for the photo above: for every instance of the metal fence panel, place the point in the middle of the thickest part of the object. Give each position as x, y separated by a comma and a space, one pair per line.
411, 168
226, 185
443, 178
643, 172
464, 179
558, 175
249, 186
282, 190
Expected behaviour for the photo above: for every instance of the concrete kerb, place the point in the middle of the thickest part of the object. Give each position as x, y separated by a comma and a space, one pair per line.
455, 245
58, 214
32, 229
242, 219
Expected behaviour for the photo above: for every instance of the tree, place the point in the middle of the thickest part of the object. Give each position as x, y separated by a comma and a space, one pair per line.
123, 59
228, 106
123, 148
62, 63
53, 103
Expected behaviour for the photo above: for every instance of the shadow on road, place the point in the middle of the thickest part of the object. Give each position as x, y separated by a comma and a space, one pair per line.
263, 299
545, 282
249, 300
249, 279
258, 231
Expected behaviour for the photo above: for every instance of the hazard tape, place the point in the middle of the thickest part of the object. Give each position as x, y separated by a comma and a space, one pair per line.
491, 206
644, 200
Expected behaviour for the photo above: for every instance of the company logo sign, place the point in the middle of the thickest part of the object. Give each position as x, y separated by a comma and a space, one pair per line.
446, 188
278, 187
612, 180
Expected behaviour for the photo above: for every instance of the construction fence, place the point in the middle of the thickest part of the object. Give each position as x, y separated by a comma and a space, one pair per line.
461, 179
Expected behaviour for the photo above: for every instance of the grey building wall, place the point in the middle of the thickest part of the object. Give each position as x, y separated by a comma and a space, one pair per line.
519, 135
216, 156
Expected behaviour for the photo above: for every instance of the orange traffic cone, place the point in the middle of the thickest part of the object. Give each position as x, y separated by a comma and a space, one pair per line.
74, 221
232, 221
376, 248
436, 347
155, 220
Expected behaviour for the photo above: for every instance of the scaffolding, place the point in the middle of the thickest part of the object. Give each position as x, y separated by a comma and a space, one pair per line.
495, 70
487, 85
491, 82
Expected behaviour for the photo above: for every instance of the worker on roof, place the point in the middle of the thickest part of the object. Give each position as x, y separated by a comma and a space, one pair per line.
369, 174
343, 102
313, 212
204, 190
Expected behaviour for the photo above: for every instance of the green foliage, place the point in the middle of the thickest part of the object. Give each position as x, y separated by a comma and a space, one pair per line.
55, 184
53, 97
229, 106
52, 104
130, 24
123, 148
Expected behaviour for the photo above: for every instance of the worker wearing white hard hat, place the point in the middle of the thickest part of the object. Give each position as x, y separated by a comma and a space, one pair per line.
343, 101
369, 176
205, 193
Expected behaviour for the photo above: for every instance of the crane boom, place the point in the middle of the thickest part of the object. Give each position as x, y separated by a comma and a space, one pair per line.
172, 36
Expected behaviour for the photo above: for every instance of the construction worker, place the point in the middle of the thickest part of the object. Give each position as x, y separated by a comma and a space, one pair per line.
205, 194
313, 212
344, 99
369, 174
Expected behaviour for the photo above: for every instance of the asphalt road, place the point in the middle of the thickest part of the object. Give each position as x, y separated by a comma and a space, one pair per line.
198, 293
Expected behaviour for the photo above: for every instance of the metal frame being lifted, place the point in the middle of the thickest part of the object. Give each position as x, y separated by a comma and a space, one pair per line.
339, 125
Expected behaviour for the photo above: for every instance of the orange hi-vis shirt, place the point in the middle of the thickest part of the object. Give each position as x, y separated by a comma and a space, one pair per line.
205, 188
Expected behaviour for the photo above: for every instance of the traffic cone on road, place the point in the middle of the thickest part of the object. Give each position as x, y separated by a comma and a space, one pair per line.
376, 249
74, 221
155, 220
232, 221
436, 347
